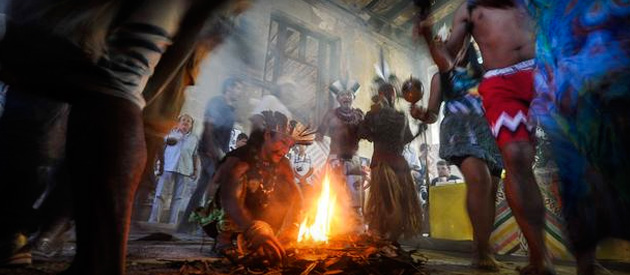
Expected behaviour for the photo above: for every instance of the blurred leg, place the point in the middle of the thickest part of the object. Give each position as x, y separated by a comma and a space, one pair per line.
480, 205
207, 171
178, 196
159, 200
106, 154
525, 199
28, 141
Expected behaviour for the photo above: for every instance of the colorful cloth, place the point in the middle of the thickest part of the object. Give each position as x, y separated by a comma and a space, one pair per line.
507, 94
582, 82
464, 131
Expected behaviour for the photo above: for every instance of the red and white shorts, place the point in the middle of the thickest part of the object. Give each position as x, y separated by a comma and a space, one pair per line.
507, 93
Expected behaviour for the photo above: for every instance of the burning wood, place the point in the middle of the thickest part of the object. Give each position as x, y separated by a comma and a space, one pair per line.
323, 247
358, 255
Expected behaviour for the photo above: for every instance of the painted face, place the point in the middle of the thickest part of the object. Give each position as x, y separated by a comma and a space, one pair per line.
345, 99
185, 124
276, 147
443, 171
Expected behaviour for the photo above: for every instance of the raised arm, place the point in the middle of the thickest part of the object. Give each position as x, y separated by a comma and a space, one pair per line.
460, 28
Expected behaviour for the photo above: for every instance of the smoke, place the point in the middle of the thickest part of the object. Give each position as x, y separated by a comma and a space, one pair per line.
294, 50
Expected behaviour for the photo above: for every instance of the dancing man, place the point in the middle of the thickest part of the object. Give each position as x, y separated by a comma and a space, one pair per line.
504, 34
465, 139
342, 124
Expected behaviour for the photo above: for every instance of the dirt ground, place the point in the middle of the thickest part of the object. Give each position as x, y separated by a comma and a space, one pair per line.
167, 255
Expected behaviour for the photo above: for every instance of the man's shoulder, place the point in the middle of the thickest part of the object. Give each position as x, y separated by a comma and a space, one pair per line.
462, 12
284, 163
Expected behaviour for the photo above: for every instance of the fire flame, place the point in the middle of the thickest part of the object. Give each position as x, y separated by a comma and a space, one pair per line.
317, 229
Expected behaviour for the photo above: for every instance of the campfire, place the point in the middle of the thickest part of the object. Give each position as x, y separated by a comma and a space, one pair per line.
327, 243
317, 228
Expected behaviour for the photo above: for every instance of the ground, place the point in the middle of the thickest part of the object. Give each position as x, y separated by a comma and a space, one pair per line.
167, 255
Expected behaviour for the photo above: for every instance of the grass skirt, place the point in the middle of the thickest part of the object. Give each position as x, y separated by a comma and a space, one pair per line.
393, 207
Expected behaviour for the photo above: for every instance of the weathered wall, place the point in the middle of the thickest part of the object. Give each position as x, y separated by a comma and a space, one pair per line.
359, 51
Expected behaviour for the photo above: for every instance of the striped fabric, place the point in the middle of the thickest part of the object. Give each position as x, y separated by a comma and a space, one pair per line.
507, 237
134, 51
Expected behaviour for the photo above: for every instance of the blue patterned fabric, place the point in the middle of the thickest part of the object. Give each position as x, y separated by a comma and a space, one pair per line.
582, 82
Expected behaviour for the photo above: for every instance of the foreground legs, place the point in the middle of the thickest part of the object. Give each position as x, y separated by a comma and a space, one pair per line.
526, 202
106, 155
480, 205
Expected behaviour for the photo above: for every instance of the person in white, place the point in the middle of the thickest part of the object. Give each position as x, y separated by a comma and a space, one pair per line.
178, 163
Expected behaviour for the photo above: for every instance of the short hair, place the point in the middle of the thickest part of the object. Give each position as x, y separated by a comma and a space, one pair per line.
442, 162
180, 117
242, 136
229, 83
192, 120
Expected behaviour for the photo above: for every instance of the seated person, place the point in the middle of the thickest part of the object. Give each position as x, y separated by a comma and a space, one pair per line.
444, 173
258, 198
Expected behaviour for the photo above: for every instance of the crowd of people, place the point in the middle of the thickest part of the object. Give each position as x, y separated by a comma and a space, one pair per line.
95, 81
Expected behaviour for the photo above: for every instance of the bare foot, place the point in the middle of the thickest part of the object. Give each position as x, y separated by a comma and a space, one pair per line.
486, 263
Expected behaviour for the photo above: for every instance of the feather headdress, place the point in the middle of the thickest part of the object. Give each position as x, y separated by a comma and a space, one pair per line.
386, 82
345, 84
279, 123
383, 72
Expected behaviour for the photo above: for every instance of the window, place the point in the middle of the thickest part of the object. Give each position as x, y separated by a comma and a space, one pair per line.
306, 57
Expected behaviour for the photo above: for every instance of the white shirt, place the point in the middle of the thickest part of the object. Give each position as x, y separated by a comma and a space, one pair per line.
179, 157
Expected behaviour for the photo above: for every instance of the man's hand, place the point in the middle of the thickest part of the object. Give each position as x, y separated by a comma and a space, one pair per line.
160, 170
170, 141
424, 29
261, 239
195, 175
418, 112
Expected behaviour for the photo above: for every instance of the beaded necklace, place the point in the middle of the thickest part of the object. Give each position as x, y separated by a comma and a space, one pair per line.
267, 176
